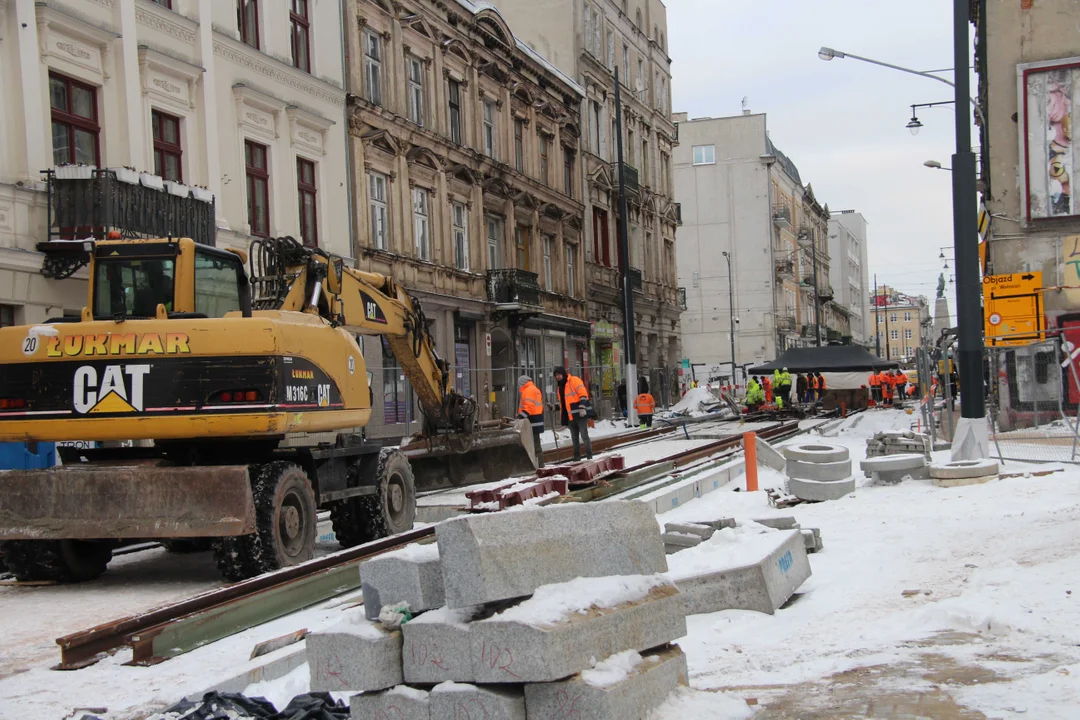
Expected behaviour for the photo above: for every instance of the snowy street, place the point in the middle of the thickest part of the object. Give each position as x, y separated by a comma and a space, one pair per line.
925, 602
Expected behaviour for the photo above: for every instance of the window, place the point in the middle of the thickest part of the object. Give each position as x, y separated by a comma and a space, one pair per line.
568, 171
549, 248
305, 187
892, 317
907, 333
247, 21
595, 131
601, 245
163, 3
489, 128
630, 144
641, 77
626, 65
907, 317
397, 392
1043, 362
594, 31
663, 172
75, 126
704, 154
258, 188
571, 269
217, 283
420, 223
611, 49
167, 150
415, 69
453, 92
545, 149
494, 242
461, 236
380, 227
373, 67
894, 334
7, 315
645, 162
637, 19
298, 17
521, 245
519, 144
132, 286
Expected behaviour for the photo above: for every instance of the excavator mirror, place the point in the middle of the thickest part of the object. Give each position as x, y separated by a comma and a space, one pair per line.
333, 276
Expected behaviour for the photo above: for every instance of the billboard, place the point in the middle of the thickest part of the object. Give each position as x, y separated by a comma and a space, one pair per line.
1047, 94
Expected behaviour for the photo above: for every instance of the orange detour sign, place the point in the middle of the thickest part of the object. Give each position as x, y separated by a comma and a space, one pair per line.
1012, 308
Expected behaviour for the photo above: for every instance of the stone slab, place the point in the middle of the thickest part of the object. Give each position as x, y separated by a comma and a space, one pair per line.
436, 647
397, 703
812, 540
892, 477
817, 491
906, 461
703, 531
455, 701
355, 655
719, 524
511, 651
674, 542
487, 558
784, 522
644, 688
957, 482
777, 566
412, 575
824, 471
769, 456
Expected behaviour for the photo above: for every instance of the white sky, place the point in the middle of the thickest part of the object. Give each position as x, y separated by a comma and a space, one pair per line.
841, 122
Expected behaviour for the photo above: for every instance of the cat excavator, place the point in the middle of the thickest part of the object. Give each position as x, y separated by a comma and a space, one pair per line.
226, 407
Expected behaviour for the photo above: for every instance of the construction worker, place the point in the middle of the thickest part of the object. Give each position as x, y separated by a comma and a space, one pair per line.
875, 386
785, 386
644, 406
888, 385
901, 384
574, 406
820, 386
754, 394
801, 386
531, 408
811, 387
766, 386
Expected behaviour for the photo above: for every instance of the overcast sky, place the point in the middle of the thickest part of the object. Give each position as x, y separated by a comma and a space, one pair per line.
841, 122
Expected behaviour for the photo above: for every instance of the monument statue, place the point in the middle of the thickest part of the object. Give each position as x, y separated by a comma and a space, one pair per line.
941, 285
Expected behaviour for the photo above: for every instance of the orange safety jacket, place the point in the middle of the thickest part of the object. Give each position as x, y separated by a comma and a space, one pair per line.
645, 404
821, 383
573, 393
813, 382
531, 406
875, 380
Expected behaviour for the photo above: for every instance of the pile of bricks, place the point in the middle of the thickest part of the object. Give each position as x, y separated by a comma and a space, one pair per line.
559, 611
898, 443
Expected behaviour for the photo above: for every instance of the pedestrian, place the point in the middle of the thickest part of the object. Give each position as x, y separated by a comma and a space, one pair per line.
531, 408
800, 388
644, 406
785, 385
620, 395
875, 386
574, 410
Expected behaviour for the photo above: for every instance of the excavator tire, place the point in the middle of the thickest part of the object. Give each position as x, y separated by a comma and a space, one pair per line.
389, 511
284, 524
66, 561
182, 546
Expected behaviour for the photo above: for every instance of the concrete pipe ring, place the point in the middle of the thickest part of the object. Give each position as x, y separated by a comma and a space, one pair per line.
815, 452
963, 469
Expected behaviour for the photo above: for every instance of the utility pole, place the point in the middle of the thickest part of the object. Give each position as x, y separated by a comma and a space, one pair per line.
731, 314
817, 301
877, 318
970, 441
888, 352
624, 268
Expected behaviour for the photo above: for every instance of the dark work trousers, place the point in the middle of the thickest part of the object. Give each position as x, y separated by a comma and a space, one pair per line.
536, 445
785, 393
645, 420
579, 430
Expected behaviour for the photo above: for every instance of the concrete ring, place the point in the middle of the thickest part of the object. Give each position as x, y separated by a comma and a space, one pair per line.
815, 452
963, 469
820, 471
815, 491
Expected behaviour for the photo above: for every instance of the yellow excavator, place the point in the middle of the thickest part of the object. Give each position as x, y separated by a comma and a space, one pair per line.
227, 408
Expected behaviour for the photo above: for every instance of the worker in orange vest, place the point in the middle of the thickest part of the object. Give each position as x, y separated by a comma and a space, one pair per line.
766, 385
901, 384
574, 409
644, 405
888, 386
875, 386
531, 408
820, 386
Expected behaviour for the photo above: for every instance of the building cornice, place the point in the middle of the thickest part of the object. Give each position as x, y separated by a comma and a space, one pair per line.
236, 52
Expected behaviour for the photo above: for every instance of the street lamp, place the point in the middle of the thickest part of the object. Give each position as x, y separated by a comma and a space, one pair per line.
914, 125
937, 166
731, 313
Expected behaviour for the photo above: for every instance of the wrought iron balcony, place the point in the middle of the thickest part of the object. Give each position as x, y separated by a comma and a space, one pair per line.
630, 177
785, 269
782, 217
682, 298
511, 286
635, 280
678, 213
785, 322
86, 202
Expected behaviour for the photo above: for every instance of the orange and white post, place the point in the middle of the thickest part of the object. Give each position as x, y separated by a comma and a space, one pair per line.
749, 443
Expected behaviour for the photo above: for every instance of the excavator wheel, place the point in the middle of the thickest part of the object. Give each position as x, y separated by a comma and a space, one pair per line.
182, 546
389, 511
284, 521
66, 561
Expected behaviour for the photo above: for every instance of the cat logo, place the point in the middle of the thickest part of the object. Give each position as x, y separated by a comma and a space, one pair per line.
324, 395
120, 389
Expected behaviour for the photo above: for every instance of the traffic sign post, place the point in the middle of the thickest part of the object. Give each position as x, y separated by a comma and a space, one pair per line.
1012, 308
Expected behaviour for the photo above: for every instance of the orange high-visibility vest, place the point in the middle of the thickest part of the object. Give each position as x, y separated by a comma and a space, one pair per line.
821, 383
573, 392
532, 404
644, 404
875, 380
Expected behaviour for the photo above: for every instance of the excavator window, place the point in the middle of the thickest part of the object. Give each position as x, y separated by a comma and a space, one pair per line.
132, 286
218, 284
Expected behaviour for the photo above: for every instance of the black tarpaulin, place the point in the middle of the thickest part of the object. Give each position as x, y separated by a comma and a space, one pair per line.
830, 358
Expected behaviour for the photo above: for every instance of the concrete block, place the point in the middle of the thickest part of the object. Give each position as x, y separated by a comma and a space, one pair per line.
907, 461
894, 477
456, 701
486, 558
959, 469
768, 570
812, 540
703, 531
815, 452
769, 456
594, 694
398, 703
820, 491
674, 542
785, 522
412, 574
824, 471
355, 655
511, 647
436, 647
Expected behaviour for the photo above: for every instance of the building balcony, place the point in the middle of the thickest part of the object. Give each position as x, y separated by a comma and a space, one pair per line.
512, 289
834, 335
630, 177
825, 293
635, 280
785, 322
681, 301
785, 269
782, 217
86, 202
678, 213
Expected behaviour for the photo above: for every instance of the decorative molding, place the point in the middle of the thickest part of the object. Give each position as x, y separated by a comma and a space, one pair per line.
257, 119
167, 86
165, 25
73, 50
244, 59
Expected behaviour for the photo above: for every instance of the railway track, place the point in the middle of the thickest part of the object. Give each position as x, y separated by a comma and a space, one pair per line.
173, 629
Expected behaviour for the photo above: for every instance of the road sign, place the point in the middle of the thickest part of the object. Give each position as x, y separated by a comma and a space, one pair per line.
1012, 308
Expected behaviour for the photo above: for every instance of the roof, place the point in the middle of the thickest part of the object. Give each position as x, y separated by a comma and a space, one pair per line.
785, 161
830, 358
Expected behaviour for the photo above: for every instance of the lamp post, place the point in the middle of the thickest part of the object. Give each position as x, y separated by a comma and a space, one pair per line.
914, 125
970, 439
624, 268
731, 313
936, 165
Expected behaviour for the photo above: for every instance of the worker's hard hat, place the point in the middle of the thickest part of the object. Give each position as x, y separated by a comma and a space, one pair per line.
785, 370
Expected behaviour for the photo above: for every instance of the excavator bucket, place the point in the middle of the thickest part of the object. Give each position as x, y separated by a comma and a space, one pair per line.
493, 453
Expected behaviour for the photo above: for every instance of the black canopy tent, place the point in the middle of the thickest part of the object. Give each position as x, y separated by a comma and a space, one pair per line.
830, 358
